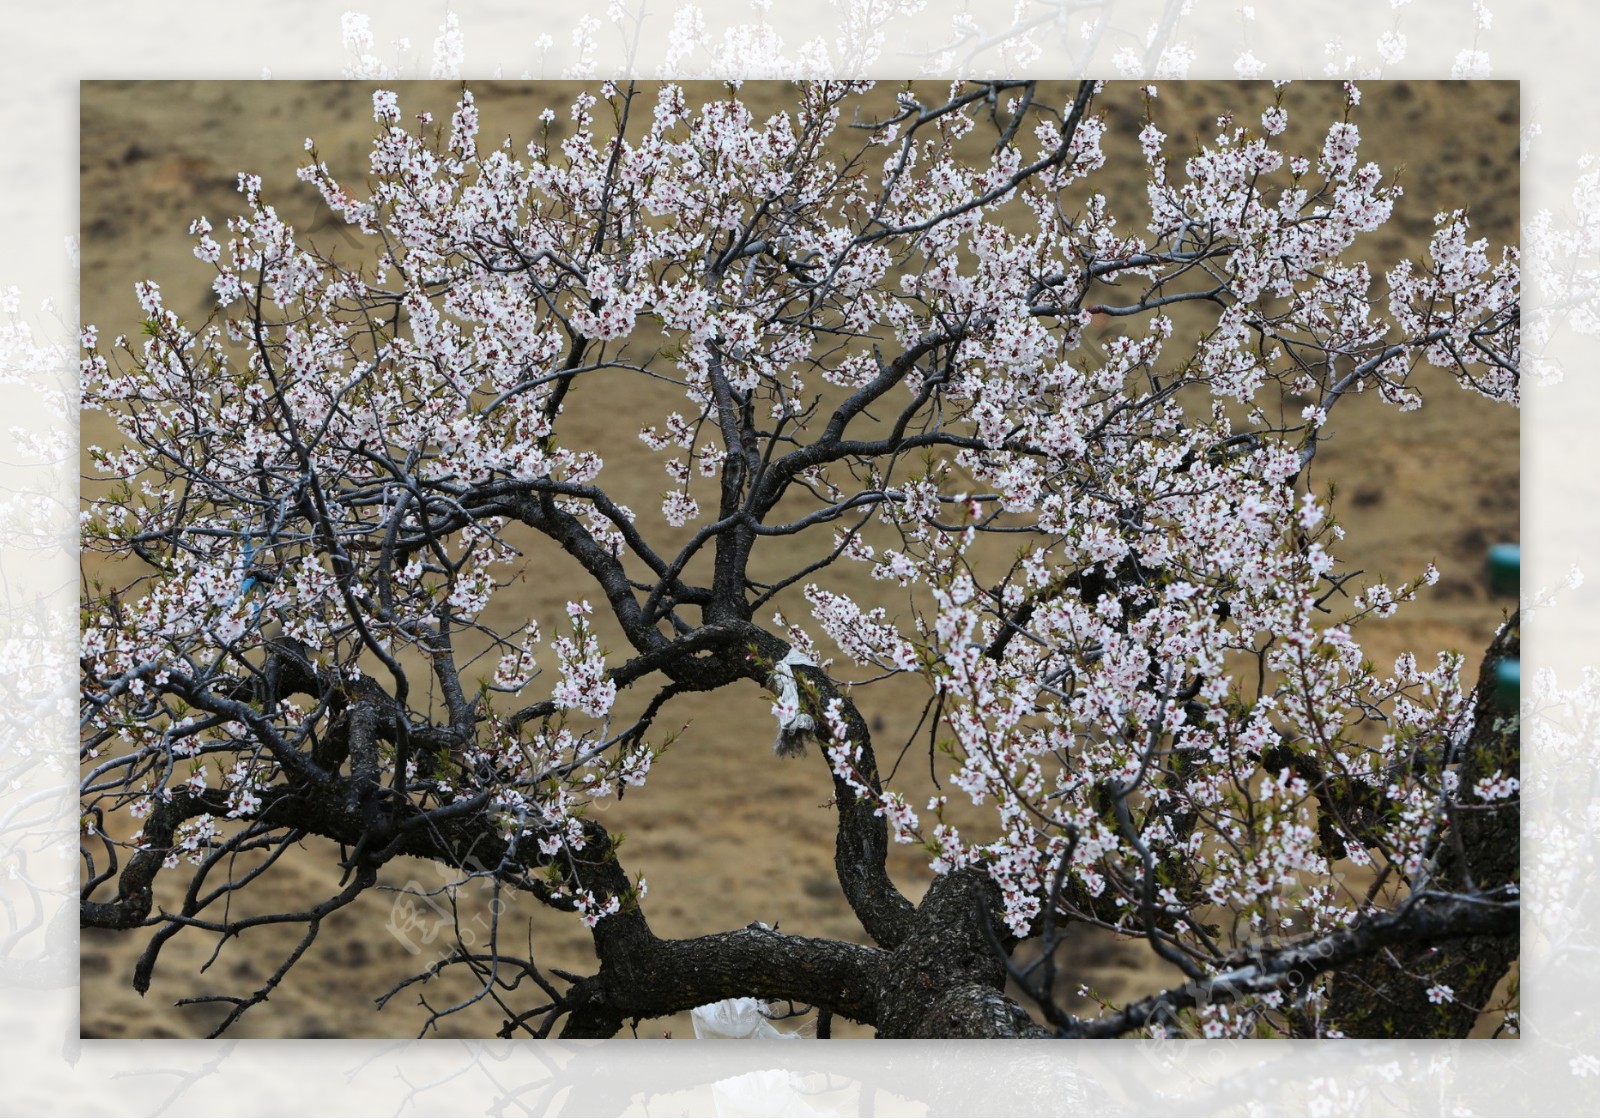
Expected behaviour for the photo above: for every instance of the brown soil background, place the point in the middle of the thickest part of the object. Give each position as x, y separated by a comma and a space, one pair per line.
725, 832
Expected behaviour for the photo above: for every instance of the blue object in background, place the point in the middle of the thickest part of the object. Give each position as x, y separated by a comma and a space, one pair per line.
1505, 577
1505, 568
249, 582
1508, 684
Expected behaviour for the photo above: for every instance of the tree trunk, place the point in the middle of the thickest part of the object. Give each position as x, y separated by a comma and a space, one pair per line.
948, 977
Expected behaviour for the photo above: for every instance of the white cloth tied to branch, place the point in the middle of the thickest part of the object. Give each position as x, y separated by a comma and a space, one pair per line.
739, 1019
795, 727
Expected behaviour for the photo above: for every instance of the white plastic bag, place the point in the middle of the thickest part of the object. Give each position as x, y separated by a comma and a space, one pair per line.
737, 1018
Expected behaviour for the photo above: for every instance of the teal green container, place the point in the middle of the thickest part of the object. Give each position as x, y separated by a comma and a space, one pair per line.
1505, 577
1508, 684
1505, 568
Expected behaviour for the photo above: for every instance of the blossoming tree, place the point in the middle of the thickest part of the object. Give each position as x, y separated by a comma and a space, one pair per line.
1121, 594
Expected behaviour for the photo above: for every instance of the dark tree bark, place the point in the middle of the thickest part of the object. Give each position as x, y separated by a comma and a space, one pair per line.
947, 979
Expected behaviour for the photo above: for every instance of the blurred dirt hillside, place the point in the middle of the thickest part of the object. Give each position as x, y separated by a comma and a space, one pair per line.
726, 833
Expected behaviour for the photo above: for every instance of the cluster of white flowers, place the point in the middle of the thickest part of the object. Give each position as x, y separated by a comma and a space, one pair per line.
584, 683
